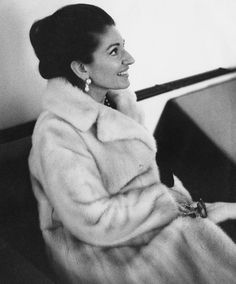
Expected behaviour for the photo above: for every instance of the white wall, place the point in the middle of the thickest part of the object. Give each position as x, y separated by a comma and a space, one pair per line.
169, 39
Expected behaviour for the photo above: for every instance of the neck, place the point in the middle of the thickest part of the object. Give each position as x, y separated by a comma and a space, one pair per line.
97, 94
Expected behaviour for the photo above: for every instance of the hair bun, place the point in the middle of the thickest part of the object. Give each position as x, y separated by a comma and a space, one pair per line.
50, 67
42, 37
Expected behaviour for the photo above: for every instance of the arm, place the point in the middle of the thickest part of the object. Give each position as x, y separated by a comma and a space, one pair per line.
217, 212
74, 187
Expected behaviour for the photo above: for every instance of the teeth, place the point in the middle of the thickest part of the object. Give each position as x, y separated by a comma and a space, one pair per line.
123, 73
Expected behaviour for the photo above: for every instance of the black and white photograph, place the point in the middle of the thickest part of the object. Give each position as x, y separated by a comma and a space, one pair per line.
118, 142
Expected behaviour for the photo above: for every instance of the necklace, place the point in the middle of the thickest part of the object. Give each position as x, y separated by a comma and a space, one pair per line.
107, 102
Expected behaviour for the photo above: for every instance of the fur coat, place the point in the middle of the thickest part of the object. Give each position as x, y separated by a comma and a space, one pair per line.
104, 214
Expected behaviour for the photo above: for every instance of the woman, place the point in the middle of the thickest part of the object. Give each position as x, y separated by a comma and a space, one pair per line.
104, 214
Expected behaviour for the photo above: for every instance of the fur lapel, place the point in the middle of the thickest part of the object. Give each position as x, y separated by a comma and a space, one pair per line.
76, 107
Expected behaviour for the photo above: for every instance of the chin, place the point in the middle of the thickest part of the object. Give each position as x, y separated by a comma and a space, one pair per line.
125, 86
119, 85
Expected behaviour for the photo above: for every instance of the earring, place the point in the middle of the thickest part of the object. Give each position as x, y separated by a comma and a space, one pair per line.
88, 81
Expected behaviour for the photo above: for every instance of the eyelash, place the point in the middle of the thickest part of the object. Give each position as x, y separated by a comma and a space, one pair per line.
114, 50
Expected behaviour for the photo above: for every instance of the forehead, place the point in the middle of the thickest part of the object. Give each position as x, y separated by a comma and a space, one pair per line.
109, 37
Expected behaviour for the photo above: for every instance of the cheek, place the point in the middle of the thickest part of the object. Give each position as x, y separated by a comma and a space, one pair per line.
106, 71
110, 69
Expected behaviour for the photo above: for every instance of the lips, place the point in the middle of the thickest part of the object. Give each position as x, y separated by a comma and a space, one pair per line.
123, 73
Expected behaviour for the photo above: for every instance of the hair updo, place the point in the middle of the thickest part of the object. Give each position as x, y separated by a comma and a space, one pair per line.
68, 34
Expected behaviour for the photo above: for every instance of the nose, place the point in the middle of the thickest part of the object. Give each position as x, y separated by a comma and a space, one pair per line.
128, 58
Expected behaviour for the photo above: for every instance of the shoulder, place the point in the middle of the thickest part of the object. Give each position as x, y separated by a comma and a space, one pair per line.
52, 131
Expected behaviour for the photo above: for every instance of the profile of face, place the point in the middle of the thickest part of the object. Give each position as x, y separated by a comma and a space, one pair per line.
109, 68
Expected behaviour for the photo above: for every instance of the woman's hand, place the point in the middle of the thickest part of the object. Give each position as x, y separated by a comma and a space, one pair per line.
182, 200
221, 211
179, 197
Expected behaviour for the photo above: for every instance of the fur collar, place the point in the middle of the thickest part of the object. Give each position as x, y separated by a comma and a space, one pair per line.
79, 109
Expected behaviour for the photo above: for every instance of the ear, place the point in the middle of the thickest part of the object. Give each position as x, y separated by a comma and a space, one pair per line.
79, 69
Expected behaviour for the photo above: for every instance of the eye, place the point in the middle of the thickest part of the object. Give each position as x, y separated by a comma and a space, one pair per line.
114, 51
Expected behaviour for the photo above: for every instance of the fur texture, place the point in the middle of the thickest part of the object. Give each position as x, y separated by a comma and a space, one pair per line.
104, 214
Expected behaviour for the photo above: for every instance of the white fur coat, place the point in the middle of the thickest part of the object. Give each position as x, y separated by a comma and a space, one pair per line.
104, 214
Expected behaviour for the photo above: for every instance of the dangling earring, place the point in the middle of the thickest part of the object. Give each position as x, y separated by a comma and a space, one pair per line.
88, 81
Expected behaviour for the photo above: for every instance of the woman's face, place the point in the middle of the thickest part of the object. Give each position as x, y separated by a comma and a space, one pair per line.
109, 69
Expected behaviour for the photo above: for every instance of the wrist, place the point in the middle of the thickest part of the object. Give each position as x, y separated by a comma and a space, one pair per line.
196, 209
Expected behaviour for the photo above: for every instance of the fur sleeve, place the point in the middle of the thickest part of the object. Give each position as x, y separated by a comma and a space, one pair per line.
74, 186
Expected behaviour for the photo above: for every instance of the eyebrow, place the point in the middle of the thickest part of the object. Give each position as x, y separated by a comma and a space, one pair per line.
114, 44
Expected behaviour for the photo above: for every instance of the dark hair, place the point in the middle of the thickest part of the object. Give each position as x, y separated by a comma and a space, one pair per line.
68, 34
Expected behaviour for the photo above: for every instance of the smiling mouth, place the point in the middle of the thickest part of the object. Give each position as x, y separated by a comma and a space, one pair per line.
124, 73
